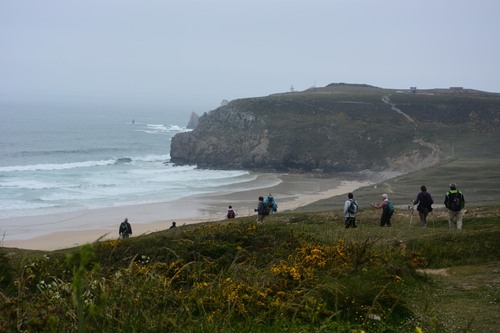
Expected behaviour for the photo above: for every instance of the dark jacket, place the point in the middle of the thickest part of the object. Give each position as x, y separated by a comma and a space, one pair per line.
262, 208
125, 229
424, 200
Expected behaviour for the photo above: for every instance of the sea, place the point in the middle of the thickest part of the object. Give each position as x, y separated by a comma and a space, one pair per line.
58, 160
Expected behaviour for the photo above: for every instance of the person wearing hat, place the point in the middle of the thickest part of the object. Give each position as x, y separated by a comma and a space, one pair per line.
125, 229
385, 219
455, 202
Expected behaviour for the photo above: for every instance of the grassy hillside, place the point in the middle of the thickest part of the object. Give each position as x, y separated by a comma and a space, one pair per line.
477, 177
296, 272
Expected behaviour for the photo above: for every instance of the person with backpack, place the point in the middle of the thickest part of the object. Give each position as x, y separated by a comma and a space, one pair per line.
230, 213
261, 210
387, 210
272, 205
125, 229
350, 211
424, 201
455, 202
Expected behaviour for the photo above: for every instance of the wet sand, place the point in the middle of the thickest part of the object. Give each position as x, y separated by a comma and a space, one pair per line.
60, 231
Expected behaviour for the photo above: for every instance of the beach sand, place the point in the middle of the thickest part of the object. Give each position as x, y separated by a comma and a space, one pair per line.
60, 231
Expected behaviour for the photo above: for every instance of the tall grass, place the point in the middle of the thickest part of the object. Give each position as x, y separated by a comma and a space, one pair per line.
297, 272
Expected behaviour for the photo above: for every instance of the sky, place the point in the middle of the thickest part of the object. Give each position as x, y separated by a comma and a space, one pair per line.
189, 55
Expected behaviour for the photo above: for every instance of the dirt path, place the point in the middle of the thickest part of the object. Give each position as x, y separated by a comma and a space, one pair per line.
387, 101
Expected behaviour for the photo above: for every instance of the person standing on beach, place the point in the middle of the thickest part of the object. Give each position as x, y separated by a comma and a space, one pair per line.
455, 202
261, 210
387, 210
230, 213
424, 201
350, 210
125, 229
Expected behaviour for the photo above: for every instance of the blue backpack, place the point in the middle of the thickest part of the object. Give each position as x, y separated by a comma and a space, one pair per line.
390, 208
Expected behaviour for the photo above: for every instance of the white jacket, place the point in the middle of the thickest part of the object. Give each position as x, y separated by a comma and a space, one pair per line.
346, 208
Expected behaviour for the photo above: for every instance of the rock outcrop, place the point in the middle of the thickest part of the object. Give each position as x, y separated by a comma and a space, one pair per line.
193, 121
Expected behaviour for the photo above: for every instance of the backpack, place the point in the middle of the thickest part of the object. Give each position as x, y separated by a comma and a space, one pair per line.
353, 207
390, 208
262, 209
456, 202
231, 214
123, 228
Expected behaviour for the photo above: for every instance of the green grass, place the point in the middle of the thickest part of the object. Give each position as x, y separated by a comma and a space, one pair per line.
477, 178
297, 272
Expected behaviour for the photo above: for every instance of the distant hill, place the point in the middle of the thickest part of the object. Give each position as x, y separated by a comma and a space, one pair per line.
343, 128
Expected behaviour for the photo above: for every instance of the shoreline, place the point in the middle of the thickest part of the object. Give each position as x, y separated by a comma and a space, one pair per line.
66, 230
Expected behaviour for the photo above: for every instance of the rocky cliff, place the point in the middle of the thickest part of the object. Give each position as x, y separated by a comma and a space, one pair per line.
337, 128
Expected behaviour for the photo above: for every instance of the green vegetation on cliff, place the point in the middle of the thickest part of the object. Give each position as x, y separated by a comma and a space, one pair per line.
341, 128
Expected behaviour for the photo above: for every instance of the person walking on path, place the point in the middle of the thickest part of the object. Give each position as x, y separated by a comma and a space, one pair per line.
230, 213
387, 210
350, 210
454, 200
125, 229
261, 210
424, 201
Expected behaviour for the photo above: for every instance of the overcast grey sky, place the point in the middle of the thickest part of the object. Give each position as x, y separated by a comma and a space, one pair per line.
192, 54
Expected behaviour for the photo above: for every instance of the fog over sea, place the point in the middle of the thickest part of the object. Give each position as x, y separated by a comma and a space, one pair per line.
56, 160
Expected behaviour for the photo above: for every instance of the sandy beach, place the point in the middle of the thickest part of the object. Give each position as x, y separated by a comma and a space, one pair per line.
59, 231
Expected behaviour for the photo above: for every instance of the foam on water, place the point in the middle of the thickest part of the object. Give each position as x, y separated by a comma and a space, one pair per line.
58, 161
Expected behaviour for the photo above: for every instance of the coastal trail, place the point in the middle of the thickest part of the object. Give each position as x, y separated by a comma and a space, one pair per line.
387, 101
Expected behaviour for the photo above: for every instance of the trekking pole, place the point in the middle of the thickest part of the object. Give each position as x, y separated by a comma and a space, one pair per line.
410, 207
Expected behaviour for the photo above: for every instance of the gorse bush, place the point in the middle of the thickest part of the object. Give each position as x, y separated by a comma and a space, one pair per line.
219, 277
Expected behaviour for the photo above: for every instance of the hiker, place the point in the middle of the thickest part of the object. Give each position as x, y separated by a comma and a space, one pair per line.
387, 210
174, 225
230, 213
424, 201
271, 204
455, 202
125, 229
350, 210
261, 210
